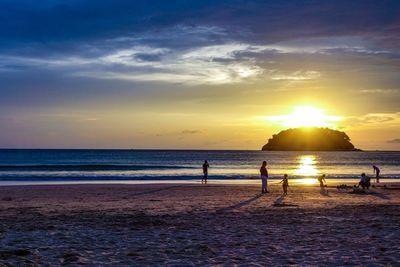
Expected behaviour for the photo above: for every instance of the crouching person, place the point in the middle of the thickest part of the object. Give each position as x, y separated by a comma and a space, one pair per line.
365, 181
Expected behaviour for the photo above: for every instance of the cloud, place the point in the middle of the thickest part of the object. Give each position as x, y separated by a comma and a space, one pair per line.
219, 64
379, 117
135, 56
225, 51
193, 42
379, 91
373, 119
201, 42
69, 26
394, 141
197, 66
214, 65
267, 22
182, 133
296, 76
190, 132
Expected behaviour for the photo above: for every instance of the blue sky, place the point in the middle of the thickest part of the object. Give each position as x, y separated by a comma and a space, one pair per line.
194, 74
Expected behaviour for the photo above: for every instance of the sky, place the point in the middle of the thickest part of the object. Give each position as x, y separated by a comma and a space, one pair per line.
193, 74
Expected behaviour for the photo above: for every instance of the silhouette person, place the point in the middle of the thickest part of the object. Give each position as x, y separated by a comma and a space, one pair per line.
205, 172
376, 171
365, 181
285, 183
321, 180
264, 177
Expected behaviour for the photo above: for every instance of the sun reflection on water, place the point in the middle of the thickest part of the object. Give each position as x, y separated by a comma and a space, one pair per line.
307, 167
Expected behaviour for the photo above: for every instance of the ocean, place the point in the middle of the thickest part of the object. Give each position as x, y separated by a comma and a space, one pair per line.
78, 165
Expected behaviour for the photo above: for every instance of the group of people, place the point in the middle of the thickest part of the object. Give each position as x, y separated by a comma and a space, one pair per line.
365, 181
284, 182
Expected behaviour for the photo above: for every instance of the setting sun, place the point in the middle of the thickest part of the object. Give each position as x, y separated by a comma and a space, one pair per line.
306, 116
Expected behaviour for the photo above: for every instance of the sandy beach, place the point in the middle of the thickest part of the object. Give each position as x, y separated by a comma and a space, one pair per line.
193, 224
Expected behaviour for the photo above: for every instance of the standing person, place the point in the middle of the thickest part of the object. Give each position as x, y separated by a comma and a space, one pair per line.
376, 171
264, 177
205, 172
285, 183
321, 180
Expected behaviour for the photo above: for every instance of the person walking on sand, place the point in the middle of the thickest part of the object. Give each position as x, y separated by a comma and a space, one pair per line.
321, 180
205, 172
285, 184
376, 171
264, 177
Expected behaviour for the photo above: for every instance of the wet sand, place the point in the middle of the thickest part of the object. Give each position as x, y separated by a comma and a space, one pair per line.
193, 224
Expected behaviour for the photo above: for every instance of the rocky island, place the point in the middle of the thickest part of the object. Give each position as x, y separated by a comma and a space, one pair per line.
310, 139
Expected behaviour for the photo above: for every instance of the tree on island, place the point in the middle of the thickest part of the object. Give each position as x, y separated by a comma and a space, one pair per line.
310, 139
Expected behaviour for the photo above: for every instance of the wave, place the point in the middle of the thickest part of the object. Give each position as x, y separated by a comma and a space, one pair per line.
115, 178
89, 167
45, 177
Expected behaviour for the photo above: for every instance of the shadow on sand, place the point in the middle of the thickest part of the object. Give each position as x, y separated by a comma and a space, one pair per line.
279, 202
240, 204
324, 192
379, 195
155, 190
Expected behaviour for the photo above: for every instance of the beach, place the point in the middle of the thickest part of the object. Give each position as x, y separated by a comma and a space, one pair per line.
176, 224
199, 133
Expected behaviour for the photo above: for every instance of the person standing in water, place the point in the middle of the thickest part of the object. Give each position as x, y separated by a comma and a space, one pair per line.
376, 171
264, 177
205, 172
321, 180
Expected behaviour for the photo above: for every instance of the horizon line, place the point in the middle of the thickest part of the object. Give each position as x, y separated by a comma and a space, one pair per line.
192, 149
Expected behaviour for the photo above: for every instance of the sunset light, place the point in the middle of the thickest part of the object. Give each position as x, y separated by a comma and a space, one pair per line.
307, 181
199, 133
307, 166
306, 116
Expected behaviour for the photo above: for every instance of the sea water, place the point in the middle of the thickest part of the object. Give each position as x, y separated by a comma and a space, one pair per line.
70, 165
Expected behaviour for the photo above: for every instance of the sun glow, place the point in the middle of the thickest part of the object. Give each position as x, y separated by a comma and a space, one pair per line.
306, 116
307, 181
306, 166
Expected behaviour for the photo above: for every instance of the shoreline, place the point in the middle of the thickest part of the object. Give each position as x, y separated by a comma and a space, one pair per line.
307, 181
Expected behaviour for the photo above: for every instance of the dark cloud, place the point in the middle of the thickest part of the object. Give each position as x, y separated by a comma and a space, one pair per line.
61, 24
72, 24
54, 51
91, 28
